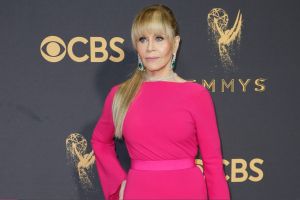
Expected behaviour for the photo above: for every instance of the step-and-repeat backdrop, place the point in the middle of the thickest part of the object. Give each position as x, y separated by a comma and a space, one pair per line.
58, 60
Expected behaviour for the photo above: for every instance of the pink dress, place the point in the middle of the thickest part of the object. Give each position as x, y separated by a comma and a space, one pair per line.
167, 121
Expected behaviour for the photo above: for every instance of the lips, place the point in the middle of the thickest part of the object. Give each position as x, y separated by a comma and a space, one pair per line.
151, 58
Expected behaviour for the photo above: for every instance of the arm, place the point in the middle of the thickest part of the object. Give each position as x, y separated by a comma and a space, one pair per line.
209, 144
111, 174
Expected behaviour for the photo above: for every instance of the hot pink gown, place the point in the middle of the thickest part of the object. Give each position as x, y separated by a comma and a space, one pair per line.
166, 121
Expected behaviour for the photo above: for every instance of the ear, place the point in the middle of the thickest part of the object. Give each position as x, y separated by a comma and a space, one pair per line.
176, 44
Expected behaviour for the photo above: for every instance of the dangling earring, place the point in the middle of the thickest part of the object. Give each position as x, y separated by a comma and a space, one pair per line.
173, 61
140, 64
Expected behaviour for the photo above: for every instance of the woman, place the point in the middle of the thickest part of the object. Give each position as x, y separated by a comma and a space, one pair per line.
163, 119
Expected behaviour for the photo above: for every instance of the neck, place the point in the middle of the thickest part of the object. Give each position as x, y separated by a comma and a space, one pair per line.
170, 75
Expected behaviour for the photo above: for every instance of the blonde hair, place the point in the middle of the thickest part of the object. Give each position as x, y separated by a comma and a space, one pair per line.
156, 18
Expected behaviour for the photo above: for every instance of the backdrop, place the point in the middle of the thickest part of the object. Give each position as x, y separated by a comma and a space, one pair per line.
59, 59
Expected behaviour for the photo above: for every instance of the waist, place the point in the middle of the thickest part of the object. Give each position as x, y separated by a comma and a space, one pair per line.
163, 164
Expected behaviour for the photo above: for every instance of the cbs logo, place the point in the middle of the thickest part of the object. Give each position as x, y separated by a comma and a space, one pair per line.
240, 170
54, 49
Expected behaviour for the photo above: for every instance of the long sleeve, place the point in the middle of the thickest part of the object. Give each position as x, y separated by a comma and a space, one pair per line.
209, 144
111, 174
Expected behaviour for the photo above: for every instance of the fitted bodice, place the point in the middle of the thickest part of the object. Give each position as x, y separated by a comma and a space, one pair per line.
159, 124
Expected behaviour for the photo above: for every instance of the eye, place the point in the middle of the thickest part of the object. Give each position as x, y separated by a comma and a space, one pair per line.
141, 39
159, 38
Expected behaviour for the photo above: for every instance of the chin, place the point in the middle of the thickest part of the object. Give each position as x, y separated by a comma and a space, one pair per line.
154, 68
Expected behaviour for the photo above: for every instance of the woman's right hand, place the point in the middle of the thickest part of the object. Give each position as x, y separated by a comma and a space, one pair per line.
121, 192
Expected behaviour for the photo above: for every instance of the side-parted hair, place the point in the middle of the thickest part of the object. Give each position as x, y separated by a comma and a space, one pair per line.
156, 18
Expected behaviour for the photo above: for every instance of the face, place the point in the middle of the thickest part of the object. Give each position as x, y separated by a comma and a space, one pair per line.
155, 51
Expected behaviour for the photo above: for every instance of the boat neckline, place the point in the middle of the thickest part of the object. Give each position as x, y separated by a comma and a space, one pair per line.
176, 82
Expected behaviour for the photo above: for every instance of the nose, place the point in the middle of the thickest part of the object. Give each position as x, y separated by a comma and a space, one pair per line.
150, 45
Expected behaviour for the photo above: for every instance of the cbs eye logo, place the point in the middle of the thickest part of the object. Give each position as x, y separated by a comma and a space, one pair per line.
54, 49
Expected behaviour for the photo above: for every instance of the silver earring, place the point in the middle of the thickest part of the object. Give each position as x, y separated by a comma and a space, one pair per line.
173, 61
140, 64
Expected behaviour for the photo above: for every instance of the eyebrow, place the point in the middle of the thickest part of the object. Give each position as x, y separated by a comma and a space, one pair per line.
156, 34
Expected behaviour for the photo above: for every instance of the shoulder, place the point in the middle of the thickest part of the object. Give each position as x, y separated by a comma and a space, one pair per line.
112, 91
115, 87
197, 88
199, 94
